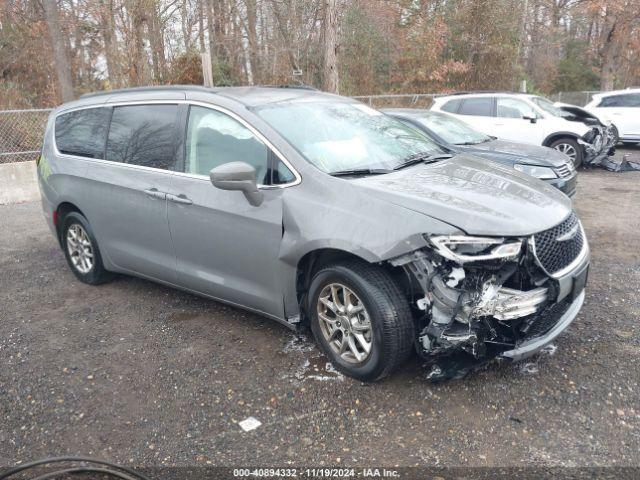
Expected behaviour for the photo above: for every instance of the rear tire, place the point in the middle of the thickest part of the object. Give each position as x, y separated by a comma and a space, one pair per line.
571, 148
375, 301
81, 250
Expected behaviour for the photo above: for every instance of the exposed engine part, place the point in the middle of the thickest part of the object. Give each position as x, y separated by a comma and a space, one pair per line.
464, 305
508, 303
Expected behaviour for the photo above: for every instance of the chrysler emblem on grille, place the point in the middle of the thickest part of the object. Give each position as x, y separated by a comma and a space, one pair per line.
568, 235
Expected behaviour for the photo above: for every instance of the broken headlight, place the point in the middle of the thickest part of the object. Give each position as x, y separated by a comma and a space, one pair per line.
543, 173
463, 248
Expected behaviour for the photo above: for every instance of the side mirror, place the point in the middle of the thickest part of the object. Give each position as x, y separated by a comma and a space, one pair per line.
237, 176
531, 119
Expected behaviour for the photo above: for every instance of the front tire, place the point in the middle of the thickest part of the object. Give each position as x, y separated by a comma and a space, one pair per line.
360, 319
81, 250
616, 135
570, 148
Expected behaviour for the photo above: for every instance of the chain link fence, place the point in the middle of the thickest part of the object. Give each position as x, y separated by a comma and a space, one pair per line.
400, 100
21, 133
574, 98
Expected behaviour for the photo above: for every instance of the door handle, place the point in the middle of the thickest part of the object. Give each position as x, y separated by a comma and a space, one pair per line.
182, 198
155, 193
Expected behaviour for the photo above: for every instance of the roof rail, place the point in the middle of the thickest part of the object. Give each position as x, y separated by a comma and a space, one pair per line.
200, 88
299, 86
155, 88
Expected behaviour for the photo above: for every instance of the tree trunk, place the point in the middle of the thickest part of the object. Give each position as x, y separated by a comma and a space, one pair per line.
330, 46
201, 25
609, 53
139, 72
252, 39
212, 37
186, 26
110, 48
60, 54
156, 42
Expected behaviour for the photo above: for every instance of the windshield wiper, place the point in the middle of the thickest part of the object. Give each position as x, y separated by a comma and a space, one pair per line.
422, 158
359, 171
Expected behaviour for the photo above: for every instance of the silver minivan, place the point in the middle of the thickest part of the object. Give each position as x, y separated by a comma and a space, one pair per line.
317, 211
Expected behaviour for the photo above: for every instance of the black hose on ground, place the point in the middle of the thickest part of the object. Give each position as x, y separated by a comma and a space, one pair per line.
112, 469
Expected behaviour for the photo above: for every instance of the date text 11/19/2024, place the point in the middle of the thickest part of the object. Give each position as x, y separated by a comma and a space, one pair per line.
316, 472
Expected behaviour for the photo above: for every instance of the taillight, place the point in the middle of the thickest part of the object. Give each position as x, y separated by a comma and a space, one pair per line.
55, 218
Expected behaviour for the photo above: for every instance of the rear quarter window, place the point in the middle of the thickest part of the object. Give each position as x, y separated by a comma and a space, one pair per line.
83, 132
451, 106
627, 100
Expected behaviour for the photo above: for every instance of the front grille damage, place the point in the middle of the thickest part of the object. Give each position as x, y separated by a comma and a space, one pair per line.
477, 310
557, 247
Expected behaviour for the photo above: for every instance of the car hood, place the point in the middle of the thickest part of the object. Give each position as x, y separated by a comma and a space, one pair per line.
583, 115
476, 197
511, 152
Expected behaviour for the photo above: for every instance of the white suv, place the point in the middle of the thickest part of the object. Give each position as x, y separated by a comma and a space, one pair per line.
530, 119
622, 107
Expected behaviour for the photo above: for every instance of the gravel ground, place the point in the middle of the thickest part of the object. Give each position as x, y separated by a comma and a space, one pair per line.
138, 373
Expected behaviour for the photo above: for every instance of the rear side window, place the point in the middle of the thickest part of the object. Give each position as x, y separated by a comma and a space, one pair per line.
83, 132
144, 135
477, 106
451, 106
628, 100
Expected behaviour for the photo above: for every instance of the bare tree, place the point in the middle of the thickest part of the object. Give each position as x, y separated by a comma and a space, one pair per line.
355, 46
252, 38
107, 30
330, 46
60, 55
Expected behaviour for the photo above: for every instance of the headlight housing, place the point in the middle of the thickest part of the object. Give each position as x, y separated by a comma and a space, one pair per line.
463, 248
543, 173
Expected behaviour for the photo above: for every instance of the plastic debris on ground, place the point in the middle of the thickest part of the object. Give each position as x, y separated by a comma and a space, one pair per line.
624, 166
249, 423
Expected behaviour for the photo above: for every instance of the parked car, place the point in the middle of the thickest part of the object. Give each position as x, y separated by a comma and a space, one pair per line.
622, 107
455, 135
314, 210
532, 119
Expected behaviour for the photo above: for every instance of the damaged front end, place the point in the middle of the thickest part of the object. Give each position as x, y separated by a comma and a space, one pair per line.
600, 141
483, 296
599, 145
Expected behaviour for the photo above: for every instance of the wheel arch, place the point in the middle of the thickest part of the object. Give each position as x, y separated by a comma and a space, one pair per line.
314, 260
557, 136
61, 211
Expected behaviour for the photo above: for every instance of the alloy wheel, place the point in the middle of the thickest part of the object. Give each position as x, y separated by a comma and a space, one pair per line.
568, 149
345, 323
79, 248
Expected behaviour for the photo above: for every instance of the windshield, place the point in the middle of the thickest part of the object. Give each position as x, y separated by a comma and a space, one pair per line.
450, 129
548, 106
340, 136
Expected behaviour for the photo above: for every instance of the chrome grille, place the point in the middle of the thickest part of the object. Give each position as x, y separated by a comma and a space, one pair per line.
566, 170
556, 248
